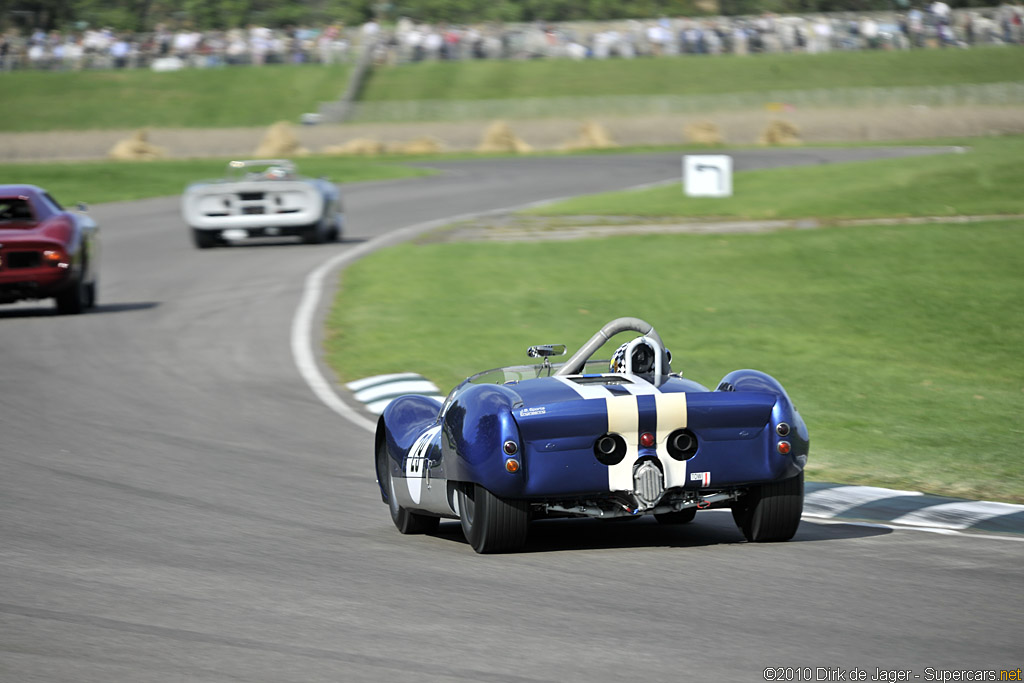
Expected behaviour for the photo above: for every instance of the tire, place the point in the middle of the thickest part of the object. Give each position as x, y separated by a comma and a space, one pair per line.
203, 240
73, 300
405, 521
771, 512
684, 516
90, 295
314, 234
492, 524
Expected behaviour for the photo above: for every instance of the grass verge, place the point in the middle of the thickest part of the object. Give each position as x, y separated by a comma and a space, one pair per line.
687, 75
259, 96
984, 180
190, 98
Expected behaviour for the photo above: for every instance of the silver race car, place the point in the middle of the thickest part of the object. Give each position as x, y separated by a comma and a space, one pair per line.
262, 198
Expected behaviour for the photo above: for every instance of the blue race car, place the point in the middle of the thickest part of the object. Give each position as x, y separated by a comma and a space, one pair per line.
600, 439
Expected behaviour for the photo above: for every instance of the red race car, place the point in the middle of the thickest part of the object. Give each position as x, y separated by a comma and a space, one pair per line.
46, 251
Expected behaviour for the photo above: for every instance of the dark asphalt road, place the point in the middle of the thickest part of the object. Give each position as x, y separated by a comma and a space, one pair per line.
176, 504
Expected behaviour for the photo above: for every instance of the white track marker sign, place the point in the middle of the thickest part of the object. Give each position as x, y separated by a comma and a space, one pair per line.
707, 175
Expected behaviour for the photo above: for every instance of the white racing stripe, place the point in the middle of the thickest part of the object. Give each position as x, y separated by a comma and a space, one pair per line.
671, 416
634, 385
624, 419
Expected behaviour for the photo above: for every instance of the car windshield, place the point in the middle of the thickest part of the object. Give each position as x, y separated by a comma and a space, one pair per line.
15, 209
516, 373
261, 169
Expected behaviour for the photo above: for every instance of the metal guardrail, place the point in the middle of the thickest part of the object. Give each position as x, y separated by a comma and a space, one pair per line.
1010, 93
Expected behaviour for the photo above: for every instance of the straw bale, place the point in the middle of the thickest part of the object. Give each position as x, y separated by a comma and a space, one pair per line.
280, 141
780, 132
136, 148
499, 137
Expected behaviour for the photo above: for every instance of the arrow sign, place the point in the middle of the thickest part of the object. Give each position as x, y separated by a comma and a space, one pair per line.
707, 175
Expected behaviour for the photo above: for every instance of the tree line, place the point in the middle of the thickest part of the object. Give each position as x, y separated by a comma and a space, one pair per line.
145, 15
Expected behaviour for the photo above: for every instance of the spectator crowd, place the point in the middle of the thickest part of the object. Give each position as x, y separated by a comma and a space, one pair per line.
934, 25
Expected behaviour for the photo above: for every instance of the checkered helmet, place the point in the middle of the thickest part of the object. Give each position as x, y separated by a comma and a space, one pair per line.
638, 357
618, 364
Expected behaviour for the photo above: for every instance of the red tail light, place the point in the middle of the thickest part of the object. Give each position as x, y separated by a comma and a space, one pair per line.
55, 258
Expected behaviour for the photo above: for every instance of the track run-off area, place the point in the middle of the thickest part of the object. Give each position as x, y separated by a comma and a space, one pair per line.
180, 499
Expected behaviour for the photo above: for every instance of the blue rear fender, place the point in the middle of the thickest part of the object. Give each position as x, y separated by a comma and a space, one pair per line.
475, 429
784, 412
406, 418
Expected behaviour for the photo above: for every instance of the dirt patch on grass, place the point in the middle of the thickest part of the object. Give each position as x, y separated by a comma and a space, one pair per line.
736, 128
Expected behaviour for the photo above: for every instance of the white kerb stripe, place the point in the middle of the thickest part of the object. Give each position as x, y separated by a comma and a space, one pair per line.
361, 384
957, 515
838, 500
393, 389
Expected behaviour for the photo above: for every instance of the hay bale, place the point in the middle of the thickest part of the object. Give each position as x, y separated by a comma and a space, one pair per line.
421, 145
702, 133
592, 135
780, 132
357, 147
280, 141
499, 137
136, 148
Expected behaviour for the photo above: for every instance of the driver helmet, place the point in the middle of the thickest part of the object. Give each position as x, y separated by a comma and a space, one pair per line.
641, 358
276, 173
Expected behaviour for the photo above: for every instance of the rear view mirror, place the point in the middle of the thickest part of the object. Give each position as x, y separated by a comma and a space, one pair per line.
546, 350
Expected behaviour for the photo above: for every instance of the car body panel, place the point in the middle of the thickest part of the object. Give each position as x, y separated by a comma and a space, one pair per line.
555, 420
44, 249
272, 201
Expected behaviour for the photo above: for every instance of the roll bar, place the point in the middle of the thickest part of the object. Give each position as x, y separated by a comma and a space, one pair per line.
576, 362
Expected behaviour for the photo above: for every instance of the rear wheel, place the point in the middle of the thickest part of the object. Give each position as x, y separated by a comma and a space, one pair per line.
336, 230
314, 234
90, 295
684, 516
492, 524
771, 512
405, 521
74, 299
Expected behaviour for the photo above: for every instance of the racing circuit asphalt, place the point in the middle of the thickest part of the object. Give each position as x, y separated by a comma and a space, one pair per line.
177, 504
